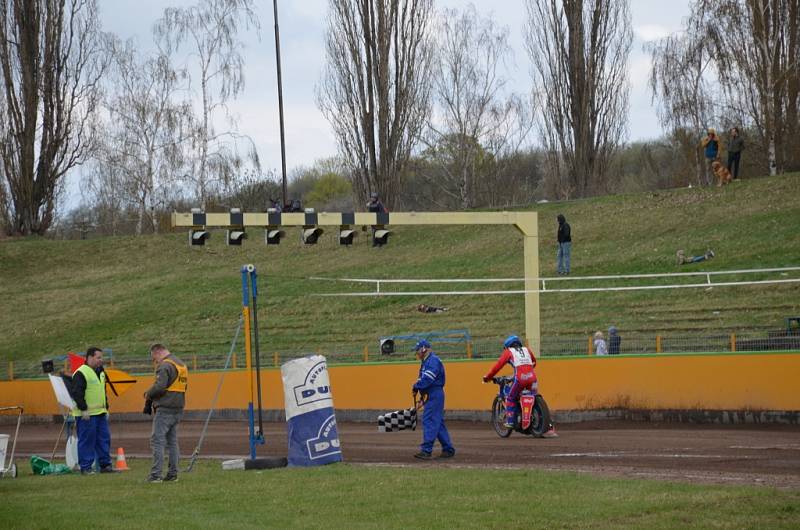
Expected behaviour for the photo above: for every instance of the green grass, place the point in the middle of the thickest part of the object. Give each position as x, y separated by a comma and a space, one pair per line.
354, 496
126, 292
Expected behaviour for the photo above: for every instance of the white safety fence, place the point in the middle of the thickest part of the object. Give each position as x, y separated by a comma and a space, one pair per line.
709, 279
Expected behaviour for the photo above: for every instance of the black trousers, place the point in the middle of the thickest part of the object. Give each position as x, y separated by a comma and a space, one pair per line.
733, 163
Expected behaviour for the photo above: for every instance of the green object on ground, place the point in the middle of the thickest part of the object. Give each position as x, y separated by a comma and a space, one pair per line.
41, 466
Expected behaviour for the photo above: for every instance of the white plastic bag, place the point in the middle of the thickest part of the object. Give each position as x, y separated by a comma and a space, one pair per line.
72, 452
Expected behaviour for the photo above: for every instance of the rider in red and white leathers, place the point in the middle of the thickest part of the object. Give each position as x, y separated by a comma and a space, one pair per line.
523, 361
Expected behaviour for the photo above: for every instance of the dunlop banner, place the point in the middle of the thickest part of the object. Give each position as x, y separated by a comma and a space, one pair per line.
313, 438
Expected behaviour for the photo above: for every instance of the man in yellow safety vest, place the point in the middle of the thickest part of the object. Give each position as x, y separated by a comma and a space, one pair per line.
168, 398
91, 414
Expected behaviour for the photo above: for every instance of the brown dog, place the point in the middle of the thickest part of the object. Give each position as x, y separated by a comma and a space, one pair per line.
722, 173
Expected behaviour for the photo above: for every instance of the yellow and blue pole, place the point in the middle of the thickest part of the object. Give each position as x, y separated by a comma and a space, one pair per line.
254, 287
256, 437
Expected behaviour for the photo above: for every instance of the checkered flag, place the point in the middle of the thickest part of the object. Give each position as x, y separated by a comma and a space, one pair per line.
398, 420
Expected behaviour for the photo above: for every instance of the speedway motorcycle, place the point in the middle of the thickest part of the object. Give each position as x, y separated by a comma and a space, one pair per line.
531, 417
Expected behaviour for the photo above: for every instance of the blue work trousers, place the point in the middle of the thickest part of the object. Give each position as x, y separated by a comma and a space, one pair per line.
94, 441
433, 427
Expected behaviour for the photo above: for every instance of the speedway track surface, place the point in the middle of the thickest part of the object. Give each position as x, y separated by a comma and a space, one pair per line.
720, 454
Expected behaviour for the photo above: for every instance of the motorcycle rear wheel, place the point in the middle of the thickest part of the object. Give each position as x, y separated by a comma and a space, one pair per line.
499, 418
540, 417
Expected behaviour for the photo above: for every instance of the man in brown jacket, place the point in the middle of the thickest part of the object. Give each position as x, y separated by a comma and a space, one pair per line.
168, 398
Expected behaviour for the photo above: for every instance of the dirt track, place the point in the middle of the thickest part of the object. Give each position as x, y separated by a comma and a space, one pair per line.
768, 455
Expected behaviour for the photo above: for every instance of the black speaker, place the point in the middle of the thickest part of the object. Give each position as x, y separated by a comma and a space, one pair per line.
387, 346
47, 366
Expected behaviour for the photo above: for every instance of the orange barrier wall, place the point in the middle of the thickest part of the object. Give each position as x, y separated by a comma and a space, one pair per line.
657, 382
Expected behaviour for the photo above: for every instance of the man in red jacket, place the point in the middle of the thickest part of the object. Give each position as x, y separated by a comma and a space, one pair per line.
523, 362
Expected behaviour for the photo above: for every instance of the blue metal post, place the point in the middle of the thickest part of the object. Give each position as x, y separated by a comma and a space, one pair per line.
255, 438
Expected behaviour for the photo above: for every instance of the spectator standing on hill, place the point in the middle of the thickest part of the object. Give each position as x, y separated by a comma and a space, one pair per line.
374, 205
614, 341
91, 414
168, 398
564, 237
735, 148
431, 385
600, 344
710, 146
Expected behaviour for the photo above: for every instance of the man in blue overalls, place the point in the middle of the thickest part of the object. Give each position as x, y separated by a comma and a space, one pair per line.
431, 385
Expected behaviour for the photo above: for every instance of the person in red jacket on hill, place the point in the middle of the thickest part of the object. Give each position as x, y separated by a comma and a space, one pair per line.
523, 362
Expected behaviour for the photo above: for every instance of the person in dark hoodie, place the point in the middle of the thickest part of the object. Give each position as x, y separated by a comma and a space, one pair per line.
614, 341
167, 397
564, 246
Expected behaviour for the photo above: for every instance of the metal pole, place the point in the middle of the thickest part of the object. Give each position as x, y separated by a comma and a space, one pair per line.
280, 97
255, 438
253, 285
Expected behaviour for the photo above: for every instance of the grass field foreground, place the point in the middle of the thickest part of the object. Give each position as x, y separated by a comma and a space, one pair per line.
355, 496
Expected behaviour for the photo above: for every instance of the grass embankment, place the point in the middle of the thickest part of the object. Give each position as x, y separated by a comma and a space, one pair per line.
346, 496
125, 292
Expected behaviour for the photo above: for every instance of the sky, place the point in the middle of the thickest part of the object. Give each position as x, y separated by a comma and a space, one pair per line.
302, 27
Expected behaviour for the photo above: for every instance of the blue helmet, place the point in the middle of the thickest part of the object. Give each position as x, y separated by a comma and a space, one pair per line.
422, 343
512, 340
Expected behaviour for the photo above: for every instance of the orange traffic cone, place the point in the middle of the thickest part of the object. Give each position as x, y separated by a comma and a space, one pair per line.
121, 464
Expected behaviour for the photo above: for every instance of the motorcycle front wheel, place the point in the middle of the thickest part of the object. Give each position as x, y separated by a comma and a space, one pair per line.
499, 418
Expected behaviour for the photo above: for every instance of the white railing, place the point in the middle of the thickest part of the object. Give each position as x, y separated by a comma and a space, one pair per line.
543, 283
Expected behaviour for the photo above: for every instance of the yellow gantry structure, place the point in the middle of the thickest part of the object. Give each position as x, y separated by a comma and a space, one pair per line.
526, 222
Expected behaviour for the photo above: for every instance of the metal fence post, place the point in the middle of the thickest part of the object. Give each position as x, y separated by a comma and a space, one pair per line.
275, 359
589, 348
194, 361
469, 349
733, 342
658, 343
366, 354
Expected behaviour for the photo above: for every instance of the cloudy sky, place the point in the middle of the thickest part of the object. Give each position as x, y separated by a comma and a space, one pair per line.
302, 25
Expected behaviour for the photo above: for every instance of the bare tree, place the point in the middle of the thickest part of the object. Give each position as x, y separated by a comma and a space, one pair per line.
211, 28
103, 189
753, 50
472, 114
376, 88
146, 135
757, 51
5, 208
679, 83
579, 50
51, 61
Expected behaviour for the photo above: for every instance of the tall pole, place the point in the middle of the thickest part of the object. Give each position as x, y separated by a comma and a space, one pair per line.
280, 98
